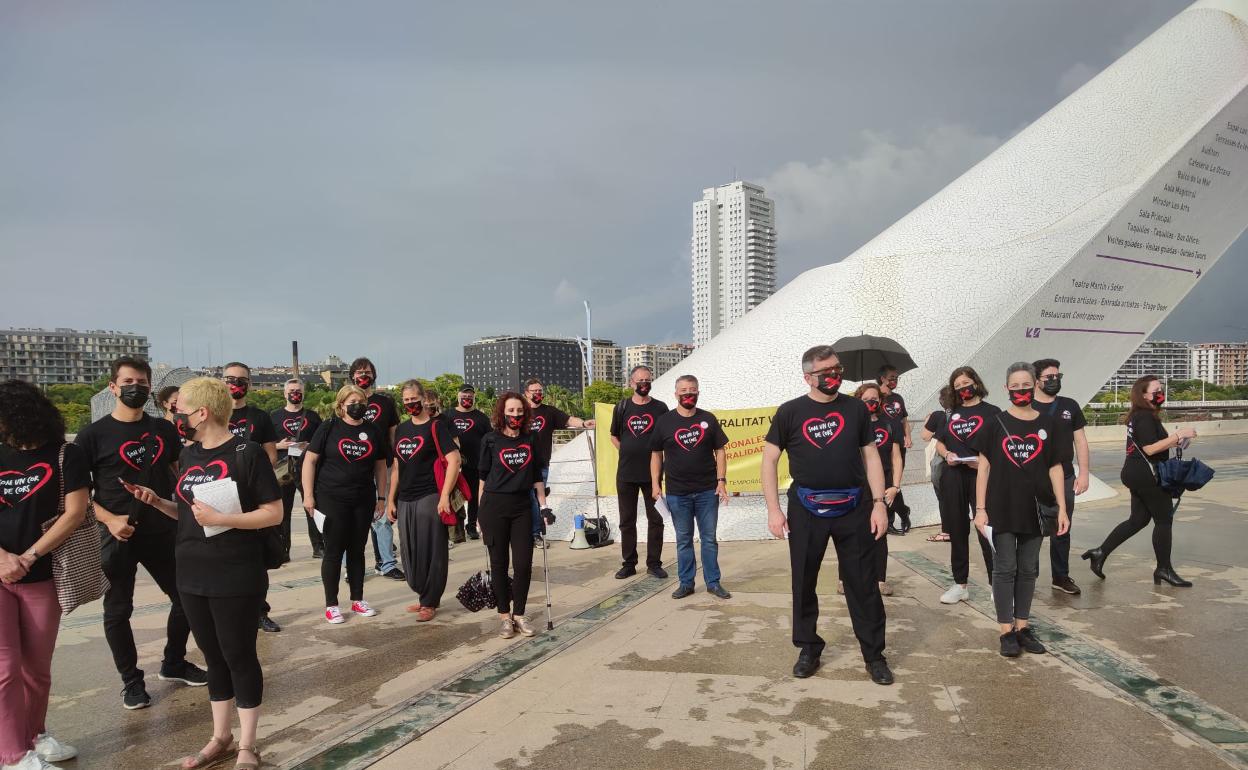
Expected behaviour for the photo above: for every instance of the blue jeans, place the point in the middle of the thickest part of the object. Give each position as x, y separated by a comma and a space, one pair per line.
383, 544
701, 508
537, 509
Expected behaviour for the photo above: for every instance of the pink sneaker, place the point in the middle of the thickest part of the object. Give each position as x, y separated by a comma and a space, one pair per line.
334, 615
361, 608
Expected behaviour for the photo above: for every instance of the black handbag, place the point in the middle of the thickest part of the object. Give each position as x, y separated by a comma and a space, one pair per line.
1047, 515
270, 537
477, 592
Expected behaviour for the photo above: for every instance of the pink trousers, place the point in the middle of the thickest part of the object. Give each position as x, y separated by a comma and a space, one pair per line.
30, 617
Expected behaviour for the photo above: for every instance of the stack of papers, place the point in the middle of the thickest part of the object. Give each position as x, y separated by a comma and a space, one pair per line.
221, 494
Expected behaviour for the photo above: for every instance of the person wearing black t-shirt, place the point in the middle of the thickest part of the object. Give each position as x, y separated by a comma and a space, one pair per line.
687, 446
1067, 412
1148, 443
381, 412
837, 493
1019, 470
294, 425
545, 420
632, 425
417, 503
251, 423
221, 576
894, 408
36, 468
344, 466
887, 433
935, 423
469, 425
130, 445
970, 415
509, 474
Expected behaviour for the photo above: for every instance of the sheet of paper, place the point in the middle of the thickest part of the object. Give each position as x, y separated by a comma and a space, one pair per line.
660, 505
295, 450
318, 519
221, 494
988, 537
974, 459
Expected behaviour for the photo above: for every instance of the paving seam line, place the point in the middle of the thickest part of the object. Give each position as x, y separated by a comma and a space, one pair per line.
396, 726
1219, 732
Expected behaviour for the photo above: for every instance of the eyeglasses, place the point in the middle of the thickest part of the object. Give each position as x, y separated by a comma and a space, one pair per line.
237, 381
831, 371
1051, 377
645, 382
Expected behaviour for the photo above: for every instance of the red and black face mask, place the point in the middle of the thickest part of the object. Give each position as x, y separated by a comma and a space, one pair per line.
466, 401
413, 408
237, 389
514, 421
1159, 398
295, 397
967, 393
829, 384
873, 405
537, 397
364, 381
688, 400
1022, 397
642, 389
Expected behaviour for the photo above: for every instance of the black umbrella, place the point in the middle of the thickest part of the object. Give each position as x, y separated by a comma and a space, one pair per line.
862, 356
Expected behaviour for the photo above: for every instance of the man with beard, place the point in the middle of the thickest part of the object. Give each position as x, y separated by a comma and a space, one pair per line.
632, 425
469, 424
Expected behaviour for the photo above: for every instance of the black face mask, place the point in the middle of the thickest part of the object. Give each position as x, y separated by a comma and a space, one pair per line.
295, 397
688, 400
642, 389
514, 421
237, 390
134, 396
537, 397
363, 381
414, 408
1159, 398
1021, 397
873, 405
466, 403
1051, 387
182, 422
967, 393
829, 386
357, 410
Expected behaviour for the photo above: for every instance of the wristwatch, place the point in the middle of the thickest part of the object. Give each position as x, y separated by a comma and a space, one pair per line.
723, 480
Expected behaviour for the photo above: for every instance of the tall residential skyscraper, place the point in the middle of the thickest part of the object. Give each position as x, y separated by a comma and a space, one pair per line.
734, 256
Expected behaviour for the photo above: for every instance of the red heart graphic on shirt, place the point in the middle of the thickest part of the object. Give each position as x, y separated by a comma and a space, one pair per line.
688, 438
198, 474
241, 427
1022, 449
537, 424
965, 427
292, 425
640, 423
407, 447
463, 424
16, 486
132, 452
881, 436
892, 408
372, 412
822, 431
515, 458
353, 450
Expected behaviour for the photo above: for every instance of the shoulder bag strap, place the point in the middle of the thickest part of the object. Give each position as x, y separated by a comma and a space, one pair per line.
433, 430
60, 477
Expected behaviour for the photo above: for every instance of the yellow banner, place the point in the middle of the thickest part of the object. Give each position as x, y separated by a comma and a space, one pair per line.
746, 429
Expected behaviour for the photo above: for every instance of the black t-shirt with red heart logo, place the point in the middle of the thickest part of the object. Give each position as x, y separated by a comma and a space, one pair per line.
232, 562
688, 445
894, 406
1020, 454
508, 465
633, 424
251, 423
118, 450
345, 457
30, 494
1069, 417
381, 411
964, 426
887, 433
824, 441
545, 421
469, 427
416, 451
299, 425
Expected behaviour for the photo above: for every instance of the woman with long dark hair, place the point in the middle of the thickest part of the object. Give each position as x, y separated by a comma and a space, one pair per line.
34, 472
509, 472
1148, 443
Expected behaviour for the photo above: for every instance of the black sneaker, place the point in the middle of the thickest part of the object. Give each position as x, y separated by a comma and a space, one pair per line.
473, 534
267, 625
1066, 585
187, 673
657, 572
1010, 647
318, 553
396, 574
718, 590
135, 696
626, 571
683, 590
1028, 641
880, 672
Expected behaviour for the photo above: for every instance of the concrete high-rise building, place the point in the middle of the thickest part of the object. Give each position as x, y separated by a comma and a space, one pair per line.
659, 358
1163, 359
1222, 363
734, 256
64, 356
505, 362
608, 363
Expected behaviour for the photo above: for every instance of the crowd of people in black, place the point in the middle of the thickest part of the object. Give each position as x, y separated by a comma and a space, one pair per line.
1010, 475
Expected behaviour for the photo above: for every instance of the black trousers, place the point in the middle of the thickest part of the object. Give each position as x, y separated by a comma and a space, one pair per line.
1149, 502
957, 491
225, 631
939, 470
626, 493
856, 552
121, 561
288, 507
506, 523
470, 475
347, 524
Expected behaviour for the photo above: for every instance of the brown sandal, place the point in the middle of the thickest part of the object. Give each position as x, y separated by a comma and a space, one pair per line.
249, 765
203, 760
942, 537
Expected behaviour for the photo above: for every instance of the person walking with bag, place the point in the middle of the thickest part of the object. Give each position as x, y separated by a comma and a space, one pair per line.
418, 503
1019, 493
43, 495
294, 424
632, 426
343, 468
221, 575
1148, 443
509, 474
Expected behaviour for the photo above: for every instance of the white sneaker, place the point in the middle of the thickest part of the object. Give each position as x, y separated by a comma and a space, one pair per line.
50, 749
334, 615
30, 761
361, 608
955, 594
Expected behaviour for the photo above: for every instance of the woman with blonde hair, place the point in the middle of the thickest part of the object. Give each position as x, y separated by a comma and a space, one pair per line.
344, 469
221, 576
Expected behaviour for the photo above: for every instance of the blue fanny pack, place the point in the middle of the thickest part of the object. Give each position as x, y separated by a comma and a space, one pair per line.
829, 503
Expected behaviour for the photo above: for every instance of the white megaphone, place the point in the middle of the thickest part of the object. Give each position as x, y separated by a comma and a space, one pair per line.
578, 533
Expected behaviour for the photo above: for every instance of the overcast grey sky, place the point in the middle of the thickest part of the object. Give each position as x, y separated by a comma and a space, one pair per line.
396, 179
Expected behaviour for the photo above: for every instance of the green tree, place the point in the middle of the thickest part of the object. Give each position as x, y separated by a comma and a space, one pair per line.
76, 416
600, 392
